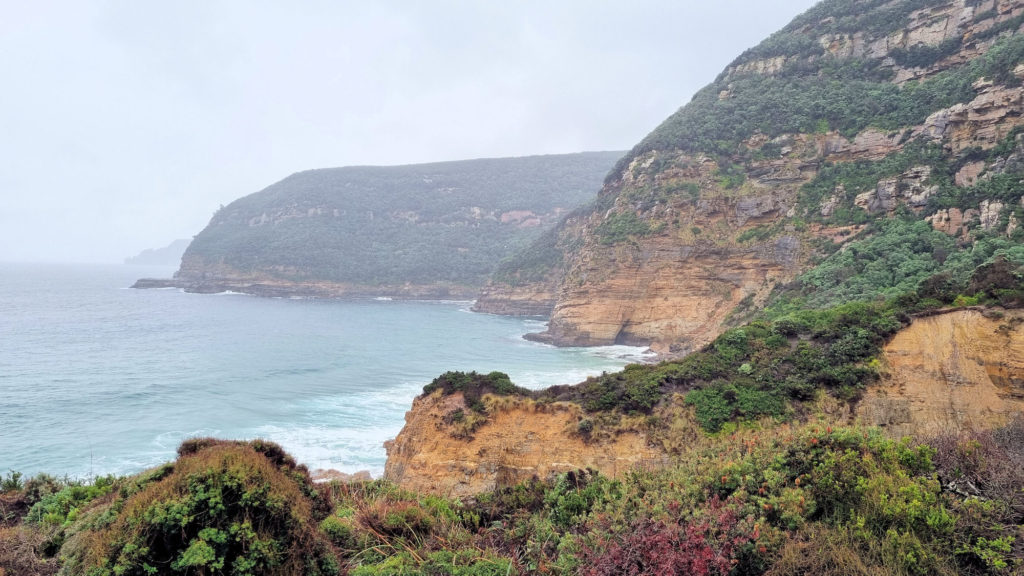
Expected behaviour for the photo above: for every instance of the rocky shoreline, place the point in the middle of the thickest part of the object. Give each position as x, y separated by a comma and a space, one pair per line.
272, 288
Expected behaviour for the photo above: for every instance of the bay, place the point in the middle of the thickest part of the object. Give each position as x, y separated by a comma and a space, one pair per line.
97, 378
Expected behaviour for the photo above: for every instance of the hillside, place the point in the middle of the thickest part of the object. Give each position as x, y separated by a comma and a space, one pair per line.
865, 147
826, 245
169, 255
429, 230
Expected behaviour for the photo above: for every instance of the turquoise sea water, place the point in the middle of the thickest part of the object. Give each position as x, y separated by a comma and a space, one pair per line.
97, 378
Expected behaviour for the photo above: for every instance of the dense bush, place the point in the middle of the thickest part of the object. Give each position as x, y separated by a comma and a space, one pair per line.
223, 508
473, 386
782, 500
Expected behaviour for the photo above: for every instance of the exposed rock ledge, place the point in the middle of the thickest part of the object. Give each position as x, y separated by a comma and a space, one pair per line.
528, 300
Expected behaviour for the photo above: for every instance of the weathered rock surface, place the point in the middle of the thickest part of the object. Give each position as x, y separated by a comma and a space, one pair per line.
951, 221
527, 300
953, 371
980, 123
520, 440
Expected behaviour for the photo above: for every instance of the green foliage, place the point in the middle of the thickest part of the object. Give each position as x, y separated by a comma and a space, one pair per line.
572, 497
846, 95
722, 402
533, 263
473, 386
759, 233
909, 262
891, 261
11, 482
430, 223
619, 227
440, 563
225, 508
61, 508
769, 501
734, 505
731, 176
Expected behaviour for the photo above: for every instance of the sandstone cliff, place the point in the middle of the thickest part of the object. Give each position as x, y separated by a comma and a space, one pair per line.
957, 370
724, 203
519, 440
954, 371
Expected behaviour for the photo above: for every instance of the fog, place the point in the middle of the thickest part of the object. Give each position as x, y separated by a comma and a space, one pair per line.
126, 124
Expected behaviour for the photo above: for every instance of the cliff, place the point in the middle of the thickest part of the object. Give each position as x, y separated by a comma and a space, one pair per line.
420, 231
855, 114
954, 371
520, 439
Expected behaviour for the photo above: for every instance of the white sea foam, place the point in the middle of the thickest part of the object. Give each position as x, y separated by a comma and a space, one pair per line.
635, 354
538, 380
346, 449
117, 384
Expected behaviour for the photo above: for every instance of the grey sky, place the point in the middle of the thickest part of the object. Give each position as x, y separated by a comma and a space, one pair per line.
127, 123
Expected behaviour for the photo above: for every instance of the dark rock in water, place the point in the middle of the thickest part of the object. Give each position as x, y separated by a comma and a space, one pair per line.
145, 283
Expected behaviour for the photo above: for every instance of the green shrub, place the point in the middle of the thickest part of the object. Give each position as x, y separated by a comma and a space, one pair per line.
620, 227
227, 507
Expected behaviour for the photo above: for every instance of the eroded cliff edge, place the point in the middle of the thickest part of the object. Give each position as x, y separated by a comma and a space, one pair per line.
519, 440
951, 371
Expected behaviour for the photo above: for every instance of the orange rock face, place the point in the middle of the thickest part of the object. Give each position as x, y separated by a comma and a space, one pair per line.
519, 440
669, 296
954, 371
527, 300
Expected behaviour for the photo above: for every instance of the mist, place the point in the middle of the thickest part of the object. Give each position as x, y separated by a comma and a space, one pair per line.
127, 124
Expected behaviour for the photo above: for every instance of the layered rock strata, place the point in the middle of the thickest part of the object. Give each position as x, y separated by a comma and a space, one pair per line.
950, 372
519, 440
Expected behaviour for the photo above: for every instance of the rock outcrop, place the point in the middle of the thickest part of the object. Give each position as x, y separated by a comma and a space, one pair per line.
520, 440
952, 371
957, 370
535, 299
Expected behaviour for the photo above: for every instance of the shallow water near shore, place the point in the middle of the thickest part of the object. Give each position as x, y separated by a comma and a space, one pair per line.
97, 378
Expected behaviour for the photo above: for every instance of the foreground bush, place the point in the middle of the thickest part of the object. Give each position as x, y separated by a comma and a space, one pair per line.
221, 508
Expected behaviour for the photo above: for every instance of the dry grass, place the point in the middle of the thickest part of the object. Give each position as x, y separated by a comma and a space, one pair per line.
20, 553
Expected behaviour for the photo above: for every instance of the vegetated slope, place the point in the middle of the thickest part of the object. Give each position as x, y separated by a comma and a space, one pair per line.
169, 255
812, 499
419, 230
861, 149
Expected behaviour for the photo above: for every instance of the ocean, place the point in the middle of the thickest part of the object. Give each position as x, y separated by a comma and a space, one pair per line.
97, 378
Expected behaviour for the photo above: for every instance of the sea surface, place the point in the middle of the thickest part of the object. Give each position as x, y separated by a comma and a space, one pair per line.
97, 378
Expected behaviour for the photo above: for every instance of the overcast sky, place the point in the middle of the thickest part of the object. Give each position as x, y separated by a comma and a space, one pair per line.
125, 124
